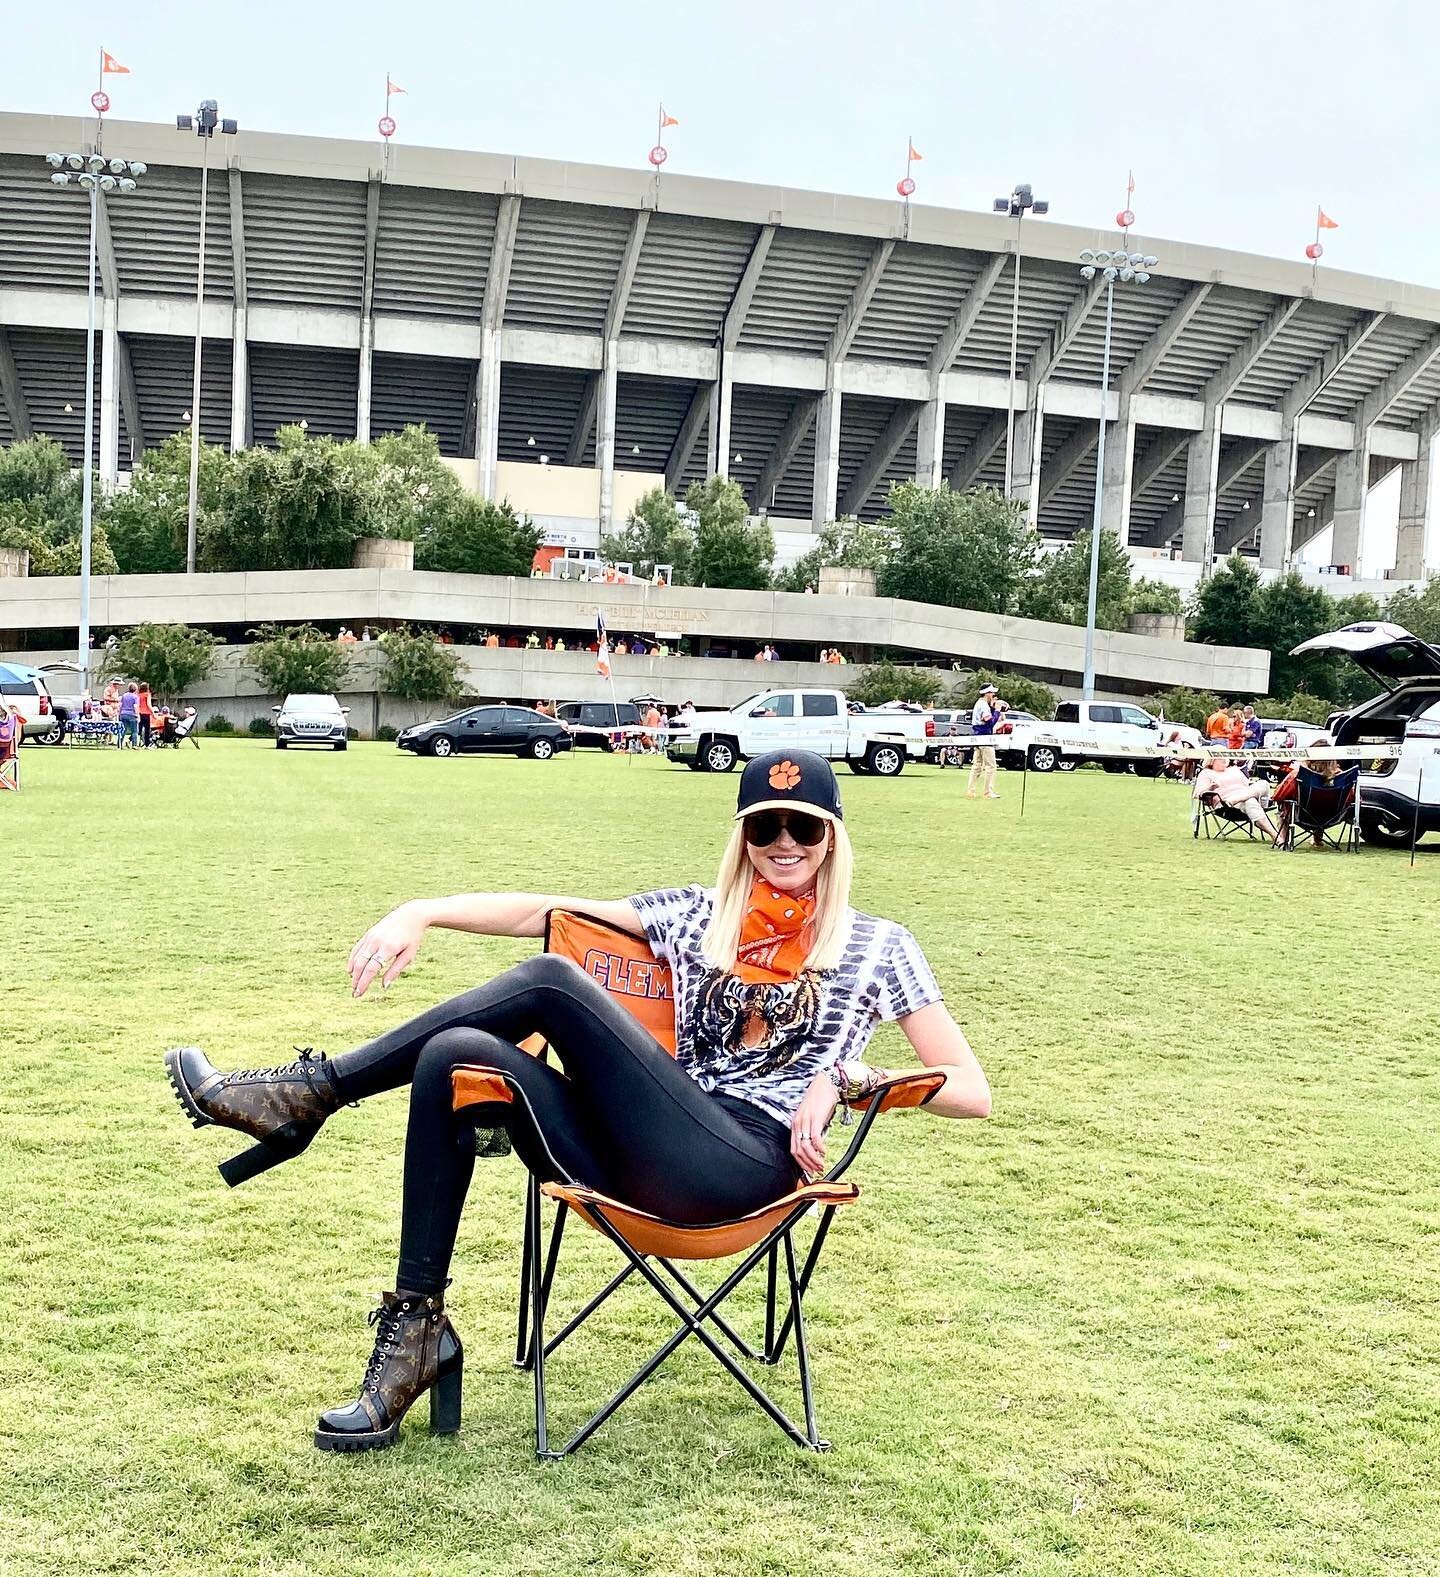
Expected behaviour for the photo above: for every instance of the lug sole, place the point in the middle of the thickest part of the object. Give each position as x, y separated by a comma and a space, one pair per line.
373, 1440
186, 1101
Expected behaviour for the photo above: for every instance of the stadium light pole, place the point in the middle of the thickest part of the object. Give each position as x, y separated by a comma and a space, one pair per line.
93, 173
1128, 268
1017, 204
204, 123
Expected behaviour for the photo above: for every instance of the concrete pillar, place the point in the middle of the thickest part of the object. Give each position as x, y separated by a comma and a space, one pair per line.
109, 459
930, 443
1414, 514
239, 384
1202, 471
362, 391
1277, 512
1352, 482
827, 454
1119, 478
720, 412
1029, 443
487, 411
605, 434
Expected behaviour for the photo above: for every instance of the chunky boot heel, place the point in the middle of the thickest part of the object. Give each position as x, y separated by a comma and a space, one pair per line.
281, 1107
445, 1402
416, 1350
282, 1145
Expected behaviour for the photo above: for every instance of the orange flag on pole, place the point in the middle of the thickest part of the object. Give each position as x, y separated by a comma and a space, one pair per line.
392, 88
913, 154
112, 67
666, 120
1323, 221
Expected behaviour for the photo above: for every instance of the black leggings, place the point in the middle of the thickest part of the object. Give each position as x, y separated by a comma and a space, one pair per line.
623, 1116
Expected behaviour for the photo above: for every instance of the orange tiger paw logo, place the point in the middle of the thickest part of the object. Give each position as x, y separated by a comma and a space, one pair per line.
784, 775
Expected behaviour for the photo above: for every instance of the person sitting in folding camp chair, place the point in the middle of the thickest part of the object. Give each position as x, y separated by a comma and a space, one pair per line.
1318, 797
1223, 790
778, 986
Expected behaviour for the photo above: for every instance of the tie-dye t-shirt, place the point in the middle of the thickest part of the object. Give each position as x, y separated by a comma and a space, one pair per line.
820, 1018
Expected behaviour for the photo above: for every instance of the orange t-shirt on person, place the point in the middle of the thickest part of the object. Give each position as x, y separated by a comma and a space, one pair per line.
492, 640
144, 707
1217, 725
1235, 733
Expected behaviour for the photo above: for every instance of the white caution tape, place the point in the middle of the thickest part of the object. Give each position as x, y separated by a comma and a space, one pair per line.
1083, 746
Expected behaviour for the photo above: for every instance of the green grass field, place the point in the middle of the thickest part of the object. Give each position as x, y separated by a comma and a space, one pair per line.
1173, 1310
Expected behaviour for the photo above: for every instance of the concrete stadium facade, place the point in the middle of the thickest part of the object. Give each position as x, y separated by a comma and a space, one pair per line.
633, 330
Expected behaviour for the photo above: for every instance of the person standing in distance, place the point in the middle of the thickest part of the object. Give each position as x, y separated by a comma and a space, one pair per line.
983, 717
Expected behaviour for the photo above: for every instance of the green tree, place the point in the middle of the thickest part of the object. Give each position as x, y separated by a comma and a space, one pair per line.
845, 542
1183, 705
1222, 610
476, 537
300, 506
1155, 596
1286, 612
882, 682
35, 469
1060, 591
961, 550
730, 553
41, 509
53, 549
1299, 708
148, 521
1025, 695
655, 533
168, 657
409, 490
1417, 611
298, 659
418, 668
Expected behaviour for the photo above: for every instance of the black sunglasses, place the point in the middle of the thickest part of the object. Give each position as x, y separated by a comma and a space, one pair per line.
765, 826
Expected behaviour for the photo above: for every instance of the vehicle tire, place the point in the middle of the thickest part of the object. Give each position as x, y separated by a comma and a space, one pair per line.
442, 745
1044, 758
608, 746
54, 735
1387, 831
342, 744
1149, 769
885, 761
720, 755
696, 763
861, 769
1066, 764
1115, 767
280, 744
541, 749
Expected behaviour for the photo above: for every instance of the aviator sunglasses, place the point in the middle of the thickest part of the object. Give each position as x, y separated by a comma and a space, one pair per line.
765, 826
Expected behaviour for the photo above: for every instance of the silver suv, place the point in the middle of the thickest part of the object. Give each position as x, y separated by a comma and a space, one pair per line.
310, 720
24, 687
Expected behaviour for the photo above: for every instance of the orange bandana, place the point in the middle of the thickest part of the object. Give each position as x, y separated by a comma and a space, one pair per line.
772, 937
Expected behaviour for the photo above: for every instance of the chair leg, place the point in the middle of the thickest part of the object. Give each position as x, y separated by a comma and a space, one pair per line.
770, 1354
522, 1346
816, 1243
802, 1355
717, 1320
537, 1330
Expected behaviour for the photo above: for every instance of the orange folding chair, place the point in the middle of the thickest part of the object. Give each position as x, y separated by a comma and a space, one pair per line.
651, 1245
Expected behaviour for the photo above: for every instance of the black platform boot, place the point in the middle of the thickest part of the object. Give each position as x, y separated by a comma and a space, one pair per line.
281, 1107
416, 1350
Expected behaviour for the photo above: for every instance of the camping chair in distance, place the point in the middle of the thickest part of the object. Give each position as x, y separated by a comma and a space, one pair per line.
1327, 811
187, 728
1210, 814
651, 1245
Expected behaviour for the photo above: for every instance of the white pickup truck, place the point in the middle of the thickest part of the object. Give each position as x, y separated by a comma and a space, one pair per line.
871, 742
1116, 734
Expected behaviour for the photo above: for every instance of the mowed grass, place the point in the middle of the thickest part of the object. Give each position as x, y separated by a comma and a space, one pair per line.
1172, 1310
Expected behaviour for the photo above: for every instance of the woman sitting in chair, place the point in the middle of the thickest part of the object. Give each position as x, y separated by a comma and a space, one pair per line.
778, 987
1222, 781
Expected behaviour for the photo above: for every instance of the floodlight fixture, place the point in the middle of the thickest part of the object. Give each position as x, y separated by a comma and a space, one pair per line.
54, 160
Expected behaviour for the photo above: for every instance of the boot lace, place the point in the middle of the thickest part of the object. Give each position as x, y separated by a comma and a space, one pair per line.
389, 1319
306, 1066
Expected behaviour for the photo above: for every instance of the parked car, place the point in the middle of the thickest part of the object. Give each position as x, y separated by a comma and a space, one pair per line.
311, 720
489, 730
1400, 799
598, 714
25, 688
1086, 731
941, 726
877, 742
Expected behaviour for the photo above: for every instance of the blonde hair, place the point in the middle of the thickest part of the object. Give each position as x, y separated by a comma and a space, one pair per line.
830, 927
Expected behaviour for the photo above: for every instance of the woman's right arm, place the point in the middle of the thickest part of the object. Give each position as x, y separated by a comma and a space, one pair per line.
389, 947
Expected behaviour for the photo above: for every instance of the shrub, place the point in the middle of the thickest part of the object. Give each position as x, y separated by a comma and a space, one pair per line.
298, 659
168, 657
1025, 695
883, 682
387, 734
418, 668
261, 727
1182, 705
219, 724
1300, 708
1155, 596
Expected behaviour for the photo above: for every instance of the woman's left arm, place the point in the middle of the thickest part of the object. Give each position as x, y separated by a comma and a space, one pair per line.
940, 1043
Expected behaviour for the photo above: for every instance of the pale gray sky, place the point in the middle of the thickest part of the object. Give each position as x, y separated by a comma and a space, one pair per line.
1237, 118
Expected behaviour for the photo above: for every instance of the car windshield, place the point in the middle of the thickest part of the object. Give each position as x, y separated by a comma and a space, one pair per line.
311, 703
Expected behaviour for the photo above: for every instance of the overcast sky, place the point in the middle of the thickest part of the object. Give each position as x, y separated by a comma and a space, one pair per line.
1237, 118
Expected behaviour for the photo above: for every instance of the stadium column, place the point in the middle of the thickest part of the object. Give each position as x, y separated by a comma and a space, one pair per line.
239, 333
1414, 517
109, 457
1352, 482
12, 396
723, 395
610, 368
930, 441
1277, 510
1029, 444
1202, 482
492, 319
367, 313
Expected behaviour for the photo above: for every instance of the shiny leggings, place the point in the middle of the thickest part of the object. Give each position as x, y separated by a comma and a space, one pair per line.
618, 1114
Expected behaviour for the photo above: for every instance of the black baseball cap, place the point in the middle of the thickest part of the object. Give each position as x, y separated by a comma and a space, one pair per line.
789, 780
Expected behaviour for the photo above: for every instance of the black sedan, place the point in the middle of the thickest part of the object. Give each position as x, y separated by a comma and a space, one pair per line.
489, 730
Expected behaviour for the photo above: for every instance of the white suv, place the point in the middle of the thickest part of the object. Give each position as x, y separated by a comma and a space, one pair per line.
25, 688
310, 720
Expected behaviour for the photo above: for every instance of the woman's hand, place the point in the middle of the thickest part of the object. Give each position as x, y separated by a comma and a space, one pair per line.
808, 1125
387, 948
